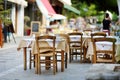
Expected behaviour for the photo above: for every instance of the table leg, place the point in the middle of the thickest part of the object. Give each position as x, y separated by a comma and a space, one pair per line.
25, 58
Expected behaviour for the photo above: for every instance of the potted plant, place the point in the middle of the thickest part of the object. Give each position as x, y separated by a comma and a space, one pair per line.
26, 27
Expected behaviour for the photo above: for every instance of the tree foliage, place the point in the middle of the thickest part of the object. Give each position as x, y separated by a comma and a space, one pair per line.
4, 14
101, 5
84, 8
96, 8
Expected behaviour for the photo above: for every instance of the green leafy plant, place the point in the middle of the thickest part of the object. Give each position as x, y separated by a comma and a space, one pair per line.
4, 14
26, 20
114, 16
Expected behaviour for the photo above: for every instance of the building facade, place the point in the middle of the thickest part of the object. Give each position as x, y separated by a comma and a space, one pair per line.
17, 15
30, 8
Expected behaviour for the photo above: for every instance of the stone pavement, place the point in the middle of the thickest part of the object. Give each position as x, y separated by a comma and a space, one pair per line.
11, 66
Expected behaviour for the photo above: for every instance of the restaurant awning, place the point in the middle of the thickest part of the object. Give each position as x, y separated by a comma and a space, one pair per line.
20, 2
47, 10
67, 5
71, 8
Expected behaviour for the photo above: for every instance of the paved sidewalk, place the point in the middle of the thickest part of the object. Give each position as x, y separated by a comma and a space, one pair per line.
11, 66
12, 43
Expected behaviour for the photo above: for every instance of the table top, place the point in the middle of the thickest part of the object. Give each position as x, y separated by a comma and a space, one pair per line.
30, 43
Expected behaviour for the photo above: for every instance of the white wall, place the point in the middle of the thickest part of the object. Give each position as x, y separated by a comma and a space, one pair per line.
13, 15
19, 25
20, 21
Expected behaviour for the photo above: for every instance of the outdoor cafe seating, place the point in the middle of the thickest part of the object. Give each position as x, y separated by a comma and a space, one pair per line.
62, 44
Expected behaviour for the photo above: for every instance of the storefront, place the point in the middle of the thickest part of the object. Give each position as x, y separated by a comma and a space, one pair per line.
48, 10
49, 14
17, 15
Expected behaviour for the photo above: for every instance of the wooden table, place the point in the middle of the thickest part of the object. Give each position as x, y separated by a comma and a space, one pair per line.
30, 43
25, 44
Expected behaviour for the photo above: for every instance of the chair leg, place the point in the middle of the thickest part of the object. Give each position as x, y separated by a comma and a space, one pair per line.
39, 65
113, 58
36, 64
94, 58
76, 54
81, 56
62, 61
66, 54
34, 61
30, 60
84, 53
70, 56
56, 63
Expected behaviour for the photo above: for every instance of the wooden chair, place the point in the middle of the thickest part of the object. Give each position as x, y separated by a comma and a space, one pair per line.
97, 35
46, 51
75, 45
64, 59
104, 51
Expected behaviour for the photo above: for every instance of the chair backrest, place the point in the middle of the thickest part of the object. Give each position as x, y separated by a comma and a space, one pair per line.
97, 34
110, 51
42, 47
87, 32
77, 38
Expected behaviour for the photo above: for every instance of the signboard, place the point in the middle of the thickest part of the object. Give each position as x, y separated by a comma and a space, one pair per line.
35, 26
